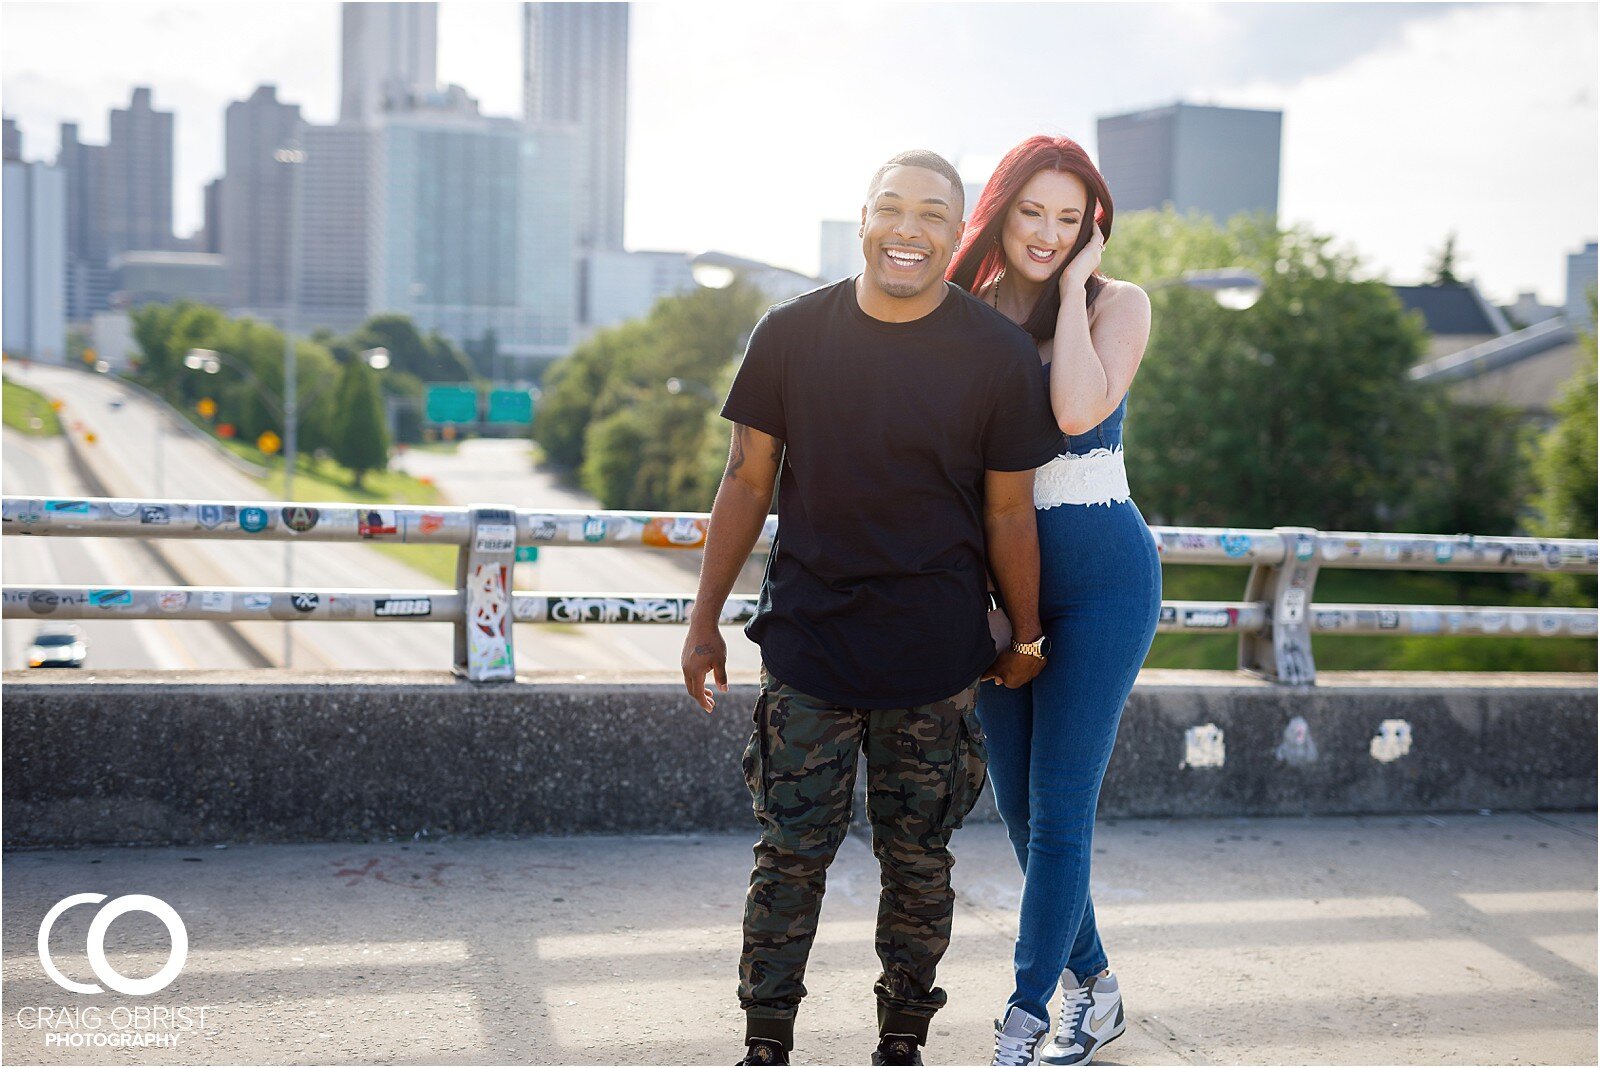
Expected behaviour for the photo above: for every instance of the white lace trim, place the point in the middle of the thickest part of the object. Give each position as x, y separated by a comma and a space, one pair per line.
1094, 477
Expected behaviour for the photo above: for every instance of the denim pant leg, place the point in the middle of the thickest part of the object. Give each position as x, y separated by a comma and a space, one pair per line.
1007, 718
1101, 598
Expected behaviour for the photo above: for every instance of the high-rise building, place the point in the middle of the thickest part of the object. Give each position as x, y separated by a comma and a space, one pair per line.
1215, 161
259, 135
33, 234
1581, 270
388, 52
575, 73
470, 225
119, 198
335, 199
136, 182
88, 278
211, 229
841, 249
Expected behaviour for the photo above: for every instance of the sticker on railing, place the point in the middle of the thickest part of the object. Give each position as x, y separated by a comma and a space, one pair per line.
1392, 741
376, 523
254, 520
1203, 747
495, 538
212, 516
390, 607
1210, 618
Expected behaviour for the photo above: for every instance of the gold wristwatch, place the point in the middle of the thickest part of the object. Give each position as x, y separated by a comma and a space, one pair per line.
1039, 647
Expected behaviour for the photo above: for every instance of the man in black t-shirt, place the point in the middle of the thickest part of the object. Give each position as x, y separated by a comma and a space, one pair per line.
900, 420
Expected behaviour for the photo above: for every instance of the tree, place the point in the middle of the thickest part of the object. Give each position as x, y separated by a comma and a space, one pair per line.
1443, 267
1564, 506
641, 442
432, 358
360, 440
1288, 413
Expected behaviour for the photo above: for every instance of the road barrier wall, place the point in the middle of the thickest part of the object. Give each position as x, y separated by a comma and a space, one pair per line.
194, 758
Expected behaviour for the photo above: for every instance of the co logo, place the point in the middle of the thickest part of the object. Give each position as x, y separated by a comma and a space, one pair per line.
97, 943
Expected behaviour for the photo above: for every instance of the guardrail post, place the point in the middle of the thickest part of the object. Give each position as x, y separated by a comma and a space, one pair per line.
484, 651
1283, 652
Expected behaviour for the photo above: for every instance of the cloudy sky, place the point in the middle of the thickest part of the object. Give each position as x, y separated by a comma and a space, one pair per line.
751, 122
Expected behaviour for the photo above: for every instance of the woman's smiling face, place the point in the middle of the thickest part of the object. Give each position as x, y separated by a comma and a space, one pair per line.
1043, 224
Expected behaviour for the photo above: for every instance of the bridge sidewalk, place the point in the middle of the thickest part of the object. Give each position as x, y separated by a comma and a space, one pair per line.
1455, 939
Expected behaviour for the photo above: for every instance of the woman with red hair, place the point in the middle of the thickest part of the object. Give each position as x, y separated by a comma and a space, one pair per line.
1032, 250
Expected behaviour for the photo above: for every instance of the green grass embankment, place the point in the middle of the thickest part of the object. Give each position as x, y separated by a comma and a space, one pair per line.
28, 410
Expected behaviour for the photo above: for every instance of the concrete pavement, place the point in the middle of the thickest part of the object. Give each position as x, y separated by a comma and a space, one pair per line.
1458, 939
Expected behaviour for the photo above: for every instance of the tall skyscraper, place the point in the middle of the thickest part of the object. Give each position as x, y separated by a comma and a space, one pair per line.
211, 232
335, 200
1216, 161
388, 51
119, 198
137, 179
575, 73
471, 225
259, 204
33, 258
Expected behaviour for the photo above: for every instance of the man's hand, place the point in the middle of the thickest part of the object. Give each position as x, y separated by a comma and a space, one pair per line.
705, 652
1011, 669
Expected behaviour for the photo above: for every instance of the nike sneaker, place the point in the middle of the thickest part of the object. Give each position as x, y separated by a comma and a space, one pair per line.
1017, 1040
1091, 1016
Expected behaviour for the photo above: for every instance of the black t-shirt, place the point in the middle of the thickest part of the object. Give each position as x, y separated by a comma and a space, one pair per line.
875, 590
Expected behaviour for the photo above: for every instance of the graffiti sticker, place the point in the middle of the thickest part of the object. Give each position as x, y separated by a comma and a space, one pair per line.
305, 602
253, 520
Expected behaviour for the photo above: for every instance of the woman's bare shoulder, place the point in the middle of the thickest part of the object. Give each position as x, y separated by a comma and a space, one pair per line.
1121, 302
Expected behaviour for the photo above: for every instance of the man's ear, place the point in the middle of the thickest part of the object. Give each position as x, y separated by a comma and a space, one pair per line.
863, 231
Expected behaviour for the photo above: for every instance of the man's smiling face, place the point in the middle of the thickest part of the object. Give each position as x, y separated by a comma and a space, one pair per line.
910, 226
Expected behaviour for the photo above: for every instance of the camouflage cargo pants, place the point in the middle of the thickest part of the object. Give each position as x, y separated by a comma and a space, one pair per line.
926, 767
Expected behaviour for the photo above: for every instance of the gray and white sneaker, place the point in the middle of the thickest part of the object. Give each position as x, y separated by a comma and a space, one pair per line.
1091, 1016
1017, 1041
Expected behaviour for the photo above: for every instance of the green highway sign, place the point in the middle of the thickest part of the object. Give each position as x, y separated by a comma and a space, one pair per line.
510, 406
452, 404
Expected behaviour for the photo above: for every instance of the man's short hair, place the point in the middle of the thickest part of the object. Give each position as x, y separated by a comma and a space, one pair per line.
921, 157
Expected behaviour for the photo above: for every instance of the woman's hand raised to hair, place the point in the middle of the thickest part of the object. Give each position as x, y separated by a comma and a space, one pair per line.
1076, 277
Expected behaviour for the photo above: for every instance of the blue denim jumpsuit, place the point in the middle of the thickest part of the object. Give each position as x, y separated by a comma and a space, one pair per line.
1050, 741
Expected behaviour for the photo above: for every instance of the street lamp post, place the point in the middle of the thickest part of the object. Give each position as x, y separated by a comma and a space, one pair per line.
291, 156
1233, 288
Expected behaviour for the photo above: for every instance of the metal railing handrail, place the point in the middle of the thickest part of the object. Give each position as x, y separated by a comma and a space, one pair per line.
1274, 620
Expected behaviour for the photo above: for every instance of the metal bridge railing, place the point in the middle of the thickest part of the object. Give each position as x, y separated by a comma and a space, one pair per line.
1275, 620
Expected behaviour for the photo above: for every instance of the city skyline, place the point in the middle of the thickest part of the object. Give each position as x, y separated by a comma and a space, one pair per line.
1402, 122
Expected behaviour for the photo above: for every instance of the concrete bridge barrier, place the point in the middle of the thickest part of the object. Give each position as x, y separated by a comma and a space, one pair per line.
187, 758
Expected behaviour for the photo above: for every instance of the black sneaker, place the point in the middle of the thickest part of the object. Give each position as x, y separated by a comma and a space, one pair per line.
764, 1051
897, 1049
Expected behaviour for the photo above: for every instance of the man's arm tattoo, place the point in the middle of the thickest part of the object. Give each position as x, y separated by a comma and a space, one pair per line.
736, 450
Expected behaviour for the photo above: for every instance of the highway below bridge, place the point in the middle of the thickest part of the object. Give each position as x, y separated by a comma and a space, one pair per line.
141, 451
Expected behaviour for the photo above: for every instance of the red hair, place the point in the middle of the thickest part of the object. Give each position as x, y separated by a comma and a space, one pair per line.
980, 257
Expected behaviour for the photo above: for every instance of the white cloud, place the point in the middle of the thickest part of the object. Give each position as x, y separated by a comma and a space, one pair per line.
1482, 122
